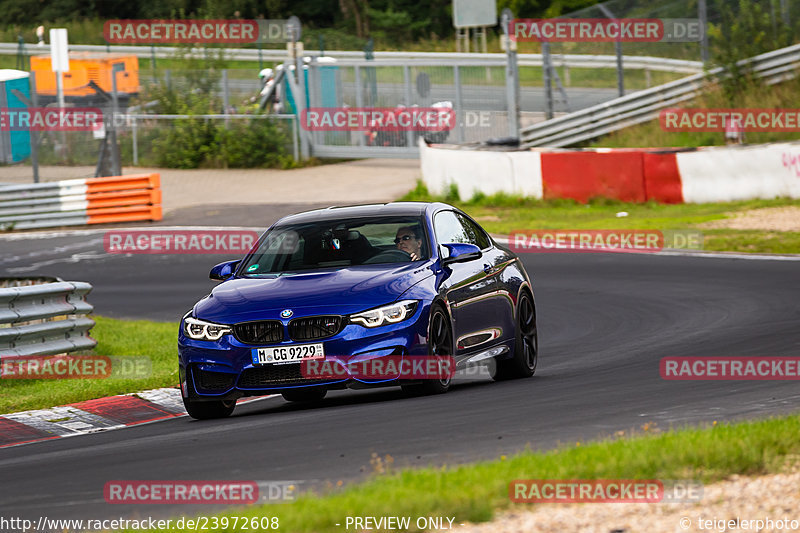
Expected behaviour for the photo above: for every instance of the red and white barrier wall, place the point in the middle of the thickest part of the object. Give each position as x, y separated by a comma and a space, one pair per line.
713, 174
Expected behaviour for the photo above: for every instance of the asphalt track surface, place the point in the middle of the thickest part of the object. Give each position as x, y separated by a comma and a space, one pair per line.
605, 321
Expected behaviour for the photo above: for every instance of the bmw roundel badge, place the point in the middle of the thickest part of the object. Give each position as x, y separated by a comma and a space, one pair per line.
286, 313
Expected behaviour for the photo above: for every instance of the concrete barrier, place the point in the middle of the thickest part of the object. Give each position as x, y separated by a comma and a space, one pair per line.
711, 174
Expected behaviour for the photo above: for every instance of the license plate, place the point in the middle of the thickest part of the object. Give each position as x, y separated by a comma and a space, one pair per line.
287, 354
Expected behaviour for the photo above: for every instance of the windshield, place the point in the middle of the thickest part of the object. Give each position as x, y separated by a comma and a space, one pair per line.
339, 243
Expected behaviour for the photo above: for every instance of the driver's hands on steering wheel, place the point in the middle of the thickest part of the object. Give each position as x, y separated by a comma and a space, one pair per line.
413, 256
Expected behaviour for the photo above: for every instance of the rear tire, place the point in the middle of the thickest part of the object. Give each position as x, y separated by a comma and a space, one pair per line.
208, 410
526, 348
305, 394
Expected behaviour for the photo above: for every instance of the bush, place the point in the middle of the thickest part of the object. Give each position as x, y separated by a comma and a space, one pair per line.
215, 143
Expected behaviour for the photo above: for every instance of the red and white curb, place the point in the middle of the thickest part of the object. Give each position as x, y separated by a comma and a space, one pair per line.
92, 416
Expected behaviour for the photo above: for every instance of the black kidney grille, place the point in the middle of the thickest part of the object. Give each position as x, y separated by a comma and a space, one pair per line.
314, 327
261, 332
271, 375
217, 381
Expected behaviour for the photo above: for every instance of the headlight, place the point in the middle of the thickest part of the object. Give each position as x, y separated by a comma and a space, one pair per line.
205, 331
388, 314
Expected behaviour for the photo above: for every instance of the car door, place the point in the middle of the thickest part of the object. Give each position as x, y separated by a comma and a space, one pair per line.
470, 289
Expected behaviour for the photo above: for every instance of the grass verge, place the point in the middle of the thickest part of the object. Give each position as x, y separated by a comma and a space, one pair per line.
156, 340
502, 213
476, 492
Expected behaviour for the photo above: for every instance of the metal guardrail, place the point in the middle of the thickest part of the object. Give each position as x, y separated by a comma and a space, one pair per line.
386, 58
80, 201
44, 318
643, 106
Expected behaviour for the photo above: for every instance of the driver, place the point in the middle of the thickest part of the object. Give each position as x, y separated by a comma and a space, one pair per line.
409, 240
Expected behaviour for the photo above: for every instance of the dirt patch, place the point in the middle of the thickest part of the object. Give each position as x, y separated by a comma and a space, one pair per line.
775, 497
767, 218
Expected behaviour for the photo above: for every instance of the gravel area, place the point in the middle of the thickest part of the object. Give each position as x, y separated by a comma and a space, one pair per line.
767, 218
746, 499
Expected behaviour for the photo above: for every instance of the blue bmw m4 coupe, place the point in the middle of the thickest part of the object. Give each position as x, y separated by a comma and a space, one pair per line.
396, 281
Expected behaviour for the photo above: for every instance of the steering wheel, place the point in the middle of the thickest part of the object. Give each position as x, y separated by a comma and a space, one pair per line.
388, 255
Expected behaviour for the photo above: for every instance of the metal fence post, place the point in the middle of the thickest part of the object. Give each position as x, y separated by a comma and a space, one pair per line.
295, 135
226, 99
703, 16
407, 85
618, 50
116, 167
512, 75
460, 134
548, 85
359, 96
135, 143
34, 134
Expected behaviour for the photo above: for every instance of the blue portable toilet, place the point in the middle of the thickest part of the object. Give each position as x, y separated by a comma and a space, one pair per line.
15, 145
329, 83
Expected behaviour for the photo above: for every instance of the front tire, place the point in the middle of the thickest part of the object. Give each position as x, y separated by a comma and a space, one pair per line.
208, 410
440, 343
526, 348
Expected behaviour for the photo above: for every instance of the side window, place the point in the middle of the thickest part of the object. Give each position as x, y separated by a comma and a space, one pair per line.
449, 228
474, 233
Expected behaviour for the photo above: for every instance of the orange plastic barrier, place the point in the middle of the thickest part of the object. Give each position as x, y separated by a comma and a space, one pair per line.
124, 214
662, 179
583, 175
122, 183
124, 198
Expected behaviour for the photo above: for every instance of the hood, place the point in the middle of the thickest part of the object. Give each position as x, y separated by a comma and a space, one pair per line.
343, 291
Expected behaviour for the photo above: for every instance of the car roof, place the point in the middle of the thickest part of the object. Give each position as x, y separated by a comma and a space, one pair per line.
357, 211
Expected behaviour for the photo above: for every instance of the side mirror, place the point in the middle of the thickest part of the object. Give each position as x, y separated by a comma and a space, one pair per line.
461, 252
223, 271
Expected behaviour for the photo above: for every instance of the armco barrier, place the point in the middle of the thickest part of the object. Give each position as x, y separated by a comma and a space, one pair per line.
44, 318
81, 201
710, 174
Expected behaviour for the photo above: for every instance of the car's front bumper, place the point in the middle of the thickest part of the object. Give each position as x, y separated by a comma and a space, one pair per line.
224, 369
